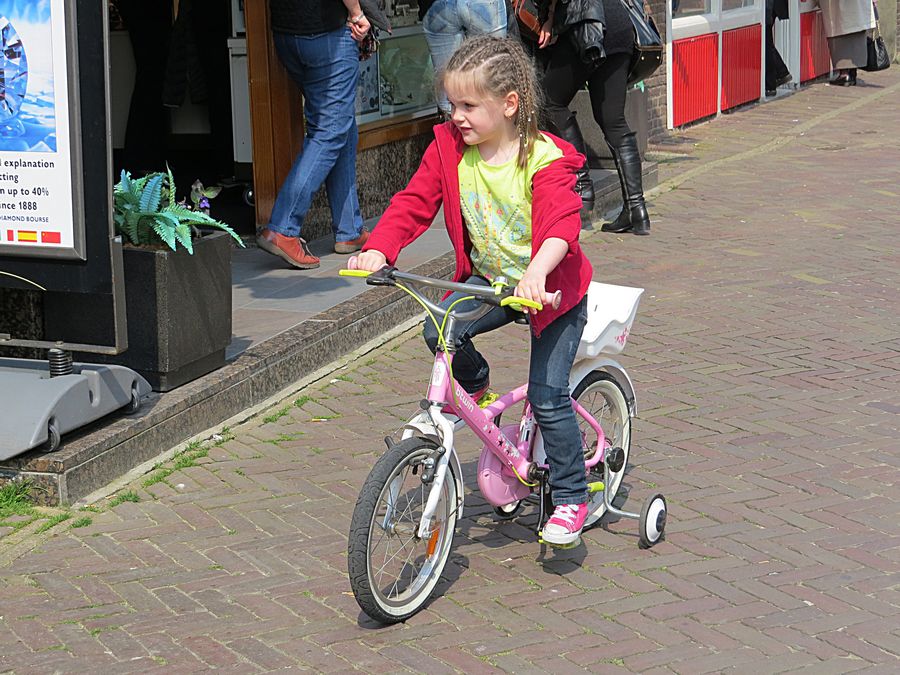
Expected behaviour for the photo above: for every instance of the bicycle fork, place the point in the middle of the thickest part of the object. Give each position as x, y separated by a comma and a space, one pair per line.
433, 425
445, 433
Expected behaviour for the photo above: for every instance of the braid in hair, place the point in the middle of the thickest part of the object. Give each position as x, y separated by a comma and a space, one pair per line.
497, 67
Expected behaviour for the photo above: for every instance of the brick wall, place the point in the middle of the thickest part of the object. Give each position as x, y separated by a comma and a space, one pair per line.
656, 85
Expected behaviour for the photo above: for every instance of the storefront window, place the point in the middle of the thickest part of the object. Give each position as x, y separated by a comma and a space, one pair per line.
399, 79
728, 5
690, 7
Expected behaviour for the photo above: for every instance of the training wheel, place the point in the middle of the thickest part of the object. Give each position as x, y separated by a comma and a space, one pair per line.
653, 520
508, 511
54, 438
134, 405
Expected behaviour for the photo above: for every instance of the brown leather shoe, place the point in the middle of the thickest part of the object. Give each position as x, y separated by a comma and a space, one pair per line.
291, 249
353, 245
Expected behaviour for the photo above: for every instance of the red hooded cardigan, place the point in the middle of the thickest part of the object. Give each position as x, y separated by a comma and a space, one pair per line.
555, 213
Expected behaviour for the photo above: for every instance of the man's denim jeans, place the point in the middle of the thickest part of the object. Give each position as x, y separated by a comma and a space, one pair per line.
449, 22
552, 355
326, 69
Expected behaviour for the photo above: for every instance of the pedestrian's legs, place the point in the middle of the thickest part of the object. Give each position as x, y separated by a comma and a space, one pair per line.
552, 355
444, 34
448, 22
326, 68
563, 76
608, 86
484, 17
777, 72
470, 368
342, 194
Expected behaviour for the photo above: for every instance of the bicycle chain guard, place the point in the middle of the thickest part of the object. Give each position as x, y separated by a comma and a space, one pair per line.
498, 484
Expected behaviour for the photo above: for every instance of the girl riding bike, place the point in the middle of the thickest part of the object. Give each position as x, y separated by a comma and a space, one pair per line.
511, 211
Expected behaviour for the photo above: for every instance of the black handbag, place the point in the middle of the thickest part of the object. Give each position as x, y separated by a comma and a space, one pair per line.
878, 58
647, 54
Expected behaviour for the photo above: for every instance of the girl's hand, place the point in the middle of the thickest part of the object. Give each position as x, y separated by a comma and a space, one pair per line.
532, 287
368, 261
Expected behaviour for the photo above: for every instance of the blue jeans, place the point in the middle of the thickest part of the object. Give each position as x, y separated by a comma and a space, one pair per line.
552, 355
448, 22
326, 69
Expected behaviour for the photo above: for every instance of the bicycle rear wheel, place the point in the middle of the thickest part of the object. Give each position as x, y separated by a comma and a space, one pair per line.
602, 397
392, 570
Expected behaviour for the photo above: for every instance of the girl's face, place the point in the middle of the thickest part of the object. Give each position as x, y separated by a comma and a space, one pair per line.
478, 117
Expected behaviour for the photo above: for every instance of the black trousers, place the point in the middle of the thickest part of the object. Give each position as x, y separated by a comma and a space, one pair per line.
565, 74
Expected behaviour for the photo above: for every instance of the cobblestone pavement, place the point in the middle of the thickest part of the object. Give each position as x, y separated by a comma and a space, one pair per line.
766, 358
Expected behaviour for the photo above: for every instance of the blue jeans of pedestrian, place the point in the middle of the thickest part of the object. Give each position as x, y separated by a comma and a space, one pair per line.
552, 356
448, 22
325, 67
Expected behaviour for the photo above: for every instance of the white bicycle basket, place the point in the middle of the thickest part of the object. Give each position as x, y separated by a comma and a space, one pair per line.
611, 311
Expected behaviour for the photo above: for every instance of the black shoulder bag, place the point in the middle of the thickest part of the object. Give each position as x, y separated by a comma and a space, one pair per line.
646, 56
878, 57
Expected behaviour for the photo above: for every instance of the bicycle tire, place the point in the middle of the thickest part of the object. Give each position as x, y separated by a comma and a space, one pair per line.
380, 518
617, 431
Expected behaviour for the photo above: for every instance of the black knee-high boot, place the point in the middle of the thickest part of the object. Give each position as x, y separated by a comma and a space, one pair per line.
584, 186
634, 216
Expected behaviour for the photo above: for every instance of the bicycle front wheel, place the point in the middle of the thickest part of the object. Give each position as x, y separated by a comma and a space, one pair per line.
392, 570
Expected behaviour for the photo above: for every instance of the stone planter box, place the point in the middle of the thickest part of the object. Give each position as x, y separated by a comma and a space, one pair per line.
178, 309
599, 156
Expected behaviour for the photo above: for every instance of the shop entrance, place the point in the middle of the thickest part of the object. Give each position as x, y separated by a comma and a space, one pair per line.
179, 96
801, 41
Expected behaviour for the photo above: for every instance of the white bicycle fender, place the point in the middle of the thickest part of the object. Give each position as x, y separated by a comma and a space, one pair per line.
614, 369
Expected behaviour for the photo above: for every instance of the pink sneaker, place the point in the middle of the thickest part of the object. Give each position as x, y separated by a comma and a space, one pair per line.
564, 526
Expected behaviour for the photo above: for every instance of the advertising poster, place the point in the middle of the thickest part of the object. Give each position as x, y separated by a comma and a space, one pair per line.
37, 215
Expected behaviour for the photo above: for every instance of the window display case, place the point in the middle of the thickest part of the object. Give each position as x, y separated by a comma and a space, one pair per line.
731, 5
397, 83
691, 7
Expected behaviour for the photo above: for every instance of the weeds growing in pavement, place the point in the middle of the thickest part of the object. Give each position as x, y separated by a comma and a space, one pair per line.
187, 458
124, 497
14, 499
54, 521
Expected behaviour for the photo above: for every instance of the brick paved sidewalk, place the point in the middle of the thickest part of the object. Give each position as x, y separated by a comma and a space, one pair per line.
766, 358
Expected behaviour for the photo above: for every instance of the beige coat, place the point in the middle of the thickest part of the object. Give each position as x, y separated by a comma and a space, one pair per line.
843, 17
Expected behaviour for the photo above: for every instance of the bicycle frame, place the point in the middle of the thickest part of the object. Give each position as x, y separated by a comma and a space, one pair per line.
512, 463
443, 391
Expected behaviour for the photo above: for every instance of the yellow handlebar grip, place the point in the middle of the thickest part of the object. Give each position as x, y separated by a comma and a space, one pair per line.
353, 273
518, 303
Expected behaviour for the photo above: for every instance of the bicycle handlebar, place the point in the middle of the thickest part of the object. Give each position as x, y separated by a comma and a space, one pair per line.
387, 275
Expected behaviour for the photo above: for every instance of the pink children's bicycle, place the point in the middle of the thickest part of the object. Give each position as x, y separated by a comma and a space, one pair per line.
404, 520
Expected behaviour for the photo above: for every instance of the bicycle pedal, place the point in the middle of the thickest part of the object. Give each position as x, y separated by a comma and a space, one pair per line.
487, 398
562, 547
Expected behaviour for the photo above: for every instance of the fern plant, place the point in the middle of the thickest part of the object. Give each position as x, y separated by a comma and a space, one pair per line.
146, 213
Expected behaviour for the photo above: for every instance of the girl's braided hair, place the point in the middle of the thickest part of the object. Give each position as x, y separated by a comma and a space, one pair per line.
496, 67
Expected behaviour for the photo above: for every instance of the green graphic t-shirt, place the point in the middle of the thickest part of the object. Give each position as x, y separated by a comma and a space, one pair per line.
496, 205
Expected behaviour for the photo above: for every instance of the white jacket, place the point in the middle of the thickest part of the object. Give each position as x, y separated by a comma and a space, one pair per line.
847, 16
